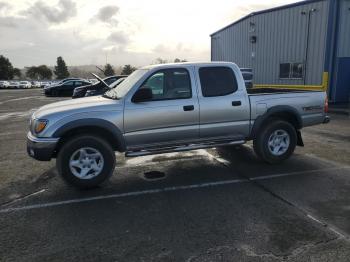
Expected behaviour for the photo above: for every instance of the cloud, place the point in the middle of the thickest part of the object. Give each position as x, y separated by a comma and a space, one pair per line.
243, 10
61, 13
107, 14
171, 48
5, 6
119, 38
8, 22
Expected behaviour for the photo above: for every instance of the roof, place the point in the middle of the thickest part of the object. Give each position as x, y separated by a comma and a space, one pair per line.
305, 2
188, 64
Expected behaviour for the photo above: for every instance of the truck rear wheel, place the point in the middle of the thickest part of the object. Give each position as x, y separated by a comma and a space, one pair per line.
86, 161
276, 142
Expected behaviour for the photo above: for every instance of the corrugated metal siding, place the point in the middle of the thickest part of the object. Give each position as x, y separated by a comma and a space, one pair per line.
281, 37
344, 29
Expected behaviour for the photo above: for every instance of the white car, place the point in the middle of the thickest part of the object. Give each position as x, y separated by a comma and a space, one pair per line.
25, 84
14, 84
4, 84
35, 84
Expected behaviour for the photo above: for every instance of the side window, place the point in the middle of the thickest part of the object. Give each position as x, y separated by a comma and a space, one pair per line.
156, 83
291, 70
78, 83
217, 81
68, 84
170, 84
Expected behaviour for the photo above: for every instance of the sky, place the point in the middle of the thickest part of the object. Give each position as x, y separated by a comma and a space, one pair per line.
136, 32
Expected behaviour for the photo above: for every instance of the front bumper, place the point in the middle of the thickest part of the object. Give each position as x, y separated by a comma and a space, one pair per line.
41, 148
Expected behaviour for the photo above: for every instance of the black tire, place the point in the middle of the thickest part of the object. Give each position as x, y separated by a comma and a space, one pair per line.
87, 141
261, 146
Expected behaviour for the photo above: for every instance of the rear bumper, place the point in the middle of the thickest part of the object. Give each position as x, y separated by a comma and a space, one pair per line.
41, 148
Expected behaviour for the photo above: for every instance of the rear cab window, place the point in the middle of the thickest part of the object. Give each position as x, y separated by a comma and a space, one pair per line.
217, 81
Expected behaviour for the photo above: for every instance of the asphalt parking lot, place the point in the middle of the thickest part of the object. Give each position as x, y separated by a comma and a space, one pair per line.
220, 204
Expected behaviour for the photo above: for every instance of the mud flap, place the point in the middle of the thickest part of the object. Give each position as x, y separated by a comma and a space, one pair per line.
300, 141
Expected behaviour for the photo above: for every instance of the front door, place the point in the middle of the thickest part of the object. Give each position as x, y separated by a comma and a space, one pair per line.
171, 116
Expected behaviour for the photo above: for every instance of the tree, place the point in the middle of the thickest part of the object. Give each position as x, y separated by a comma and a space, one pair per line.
44, 72
61, 70
6, 69
32, 72
108, 70
128, 69
161, 61
177, 60
39, 72
17, 72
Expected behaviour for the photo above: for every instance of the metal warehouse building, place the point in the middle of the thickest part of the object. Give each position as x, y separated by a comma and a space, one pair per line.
302, 45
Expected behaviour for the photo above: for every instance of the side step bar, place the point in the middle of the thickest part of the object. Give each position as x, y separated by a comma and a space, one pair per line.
181, 148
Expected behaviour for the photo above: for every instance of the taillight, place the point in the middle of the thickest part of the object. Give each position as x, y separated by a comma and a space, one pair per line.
326, 105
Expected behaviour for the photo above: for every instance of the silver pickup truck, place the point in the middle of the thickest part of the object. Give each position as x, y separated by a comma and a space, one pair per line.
170, 108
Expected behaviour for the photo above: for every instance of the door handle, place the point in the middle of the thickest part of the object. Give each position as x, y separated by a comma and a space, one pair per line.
236, 103
189, 108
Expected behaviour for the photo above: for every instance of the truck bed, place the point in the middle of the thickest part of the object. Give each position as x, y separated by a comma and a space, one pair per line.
309, 105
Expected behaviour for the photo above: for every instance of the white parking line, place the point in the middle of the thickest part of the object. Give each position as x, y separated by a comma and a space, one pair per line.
161, 190
128, 194
20, 98
298, 173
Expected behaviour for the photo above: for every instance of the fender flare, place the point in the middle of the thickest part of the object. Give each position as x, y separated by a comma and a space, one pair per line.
260, 120
116, 134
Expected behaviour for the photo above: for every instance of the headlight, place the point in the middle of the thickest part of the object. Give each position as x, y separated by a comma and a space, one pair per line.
40, 125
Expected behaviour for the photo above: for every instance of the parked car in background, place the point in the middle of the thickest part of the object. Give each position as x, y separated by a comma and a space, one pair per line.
67, 79
64, 88
14, 84
101, 91
44, 83
93, 80
103, 85
35, 84
4, 84
111, 79
25, 84
189, 106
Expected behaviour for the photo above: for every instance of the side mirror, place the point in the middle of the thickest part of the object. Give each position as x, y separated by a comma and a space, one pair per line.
142, 95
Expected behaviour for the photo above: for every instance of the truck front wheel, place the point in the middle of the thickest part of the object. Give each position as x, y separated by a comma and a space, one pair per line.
86, 161
276, 141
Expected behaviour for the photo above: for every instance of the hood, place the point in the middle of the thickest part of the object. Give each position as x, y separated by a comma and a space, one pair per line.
58, 110
48, 86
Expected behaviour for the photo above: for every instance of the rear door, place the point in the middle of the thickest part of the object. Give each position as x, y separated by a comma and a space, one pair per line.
224, 104
171, 116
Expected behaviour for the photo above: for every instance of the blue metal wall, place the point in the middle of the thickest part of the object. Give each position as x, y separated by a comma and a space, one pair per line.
340, 81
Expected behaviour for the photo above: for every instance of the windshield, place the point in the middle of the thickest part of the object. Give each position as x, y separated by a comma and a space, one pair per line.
126, 85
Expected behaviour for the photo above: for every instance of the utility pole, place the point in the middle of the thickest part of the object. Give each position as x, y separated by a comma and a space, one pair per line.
307, 39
